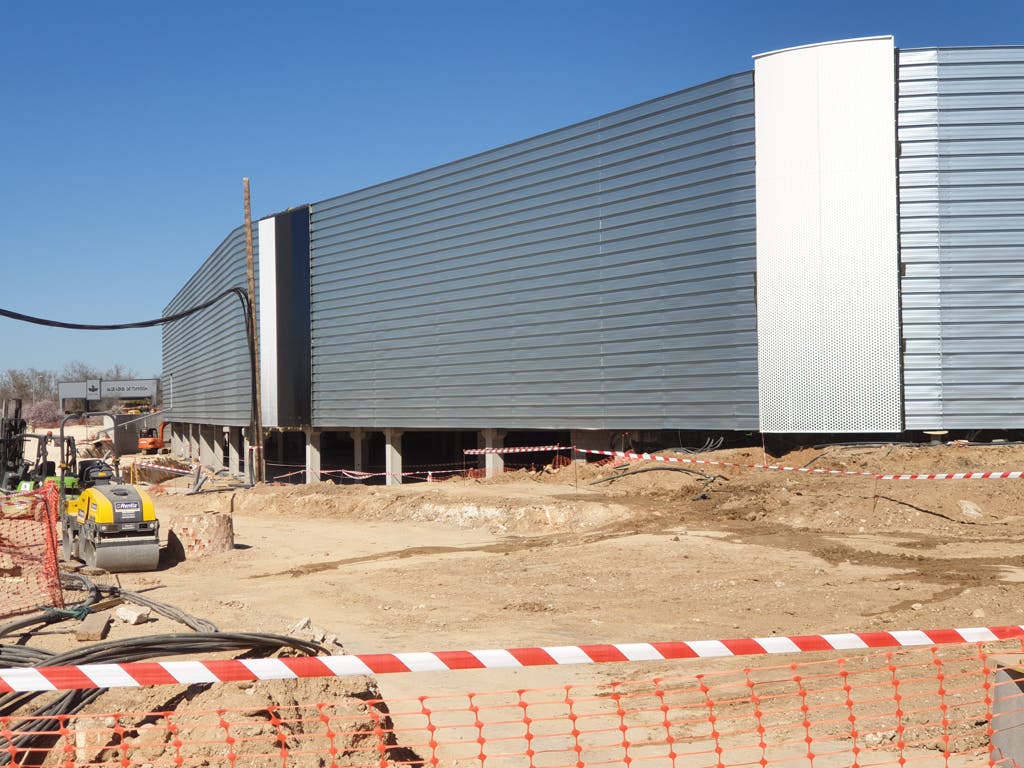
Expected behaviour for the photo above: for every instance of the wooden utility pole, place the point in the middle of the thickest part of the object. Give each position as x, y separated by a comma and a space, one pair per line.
256, 428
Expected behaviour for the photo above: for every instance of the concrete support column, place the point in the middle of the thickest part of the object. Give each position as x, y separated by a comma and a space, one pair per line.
233, 457
193, 442
494, 463
312, 455
208, 445
393, 456
246, 444
358, 448
591, 439
224, 448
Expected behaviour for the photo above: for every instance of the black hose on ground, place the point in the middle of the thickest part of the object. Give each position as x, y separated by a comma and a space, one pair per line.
53, 615
39, 727
170, 612
654, 469
165, 610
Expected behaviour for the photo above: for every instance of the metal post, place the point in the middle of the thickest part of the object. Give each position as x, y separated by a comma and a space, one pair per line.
256, 439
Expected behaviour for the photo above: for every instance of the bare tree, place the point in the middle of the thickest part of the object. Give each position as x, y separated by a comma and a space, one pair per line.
28, 384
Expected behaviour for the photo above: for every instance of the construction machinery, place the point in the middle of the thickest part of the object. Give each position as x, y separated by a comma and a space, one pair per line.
44, 470
109, 524
150, 441
12, 446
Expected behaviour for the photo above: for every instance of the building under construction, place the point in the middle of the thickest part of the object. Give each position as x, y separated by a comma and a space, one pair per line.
831, 242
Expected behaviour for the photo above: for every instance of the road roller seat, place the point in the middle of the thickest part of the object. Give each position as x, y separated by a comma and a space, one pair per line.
94, 472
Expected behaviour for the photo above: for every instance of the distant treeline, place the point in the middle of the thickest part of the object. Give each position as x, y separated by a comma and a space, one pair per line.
37, 389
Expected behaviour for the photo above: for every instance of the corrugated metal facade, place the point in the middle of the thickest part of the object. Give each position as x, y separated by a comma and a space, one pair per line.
961, 186
206, 376
597, 276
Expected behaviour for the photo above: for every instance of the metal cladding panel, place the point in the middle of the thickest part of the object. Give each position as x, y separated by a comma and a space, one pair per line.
284, 319
827, 249
961, 134
206, 371
598, 276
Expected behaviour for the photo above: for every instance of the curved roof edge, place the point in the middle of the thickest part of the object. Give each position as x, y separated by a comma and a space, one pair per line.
827, 42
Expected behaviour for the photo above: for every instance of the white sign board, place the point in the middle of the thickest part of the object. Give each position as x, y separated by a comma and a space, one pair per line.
95, 389
70, 390
137, 388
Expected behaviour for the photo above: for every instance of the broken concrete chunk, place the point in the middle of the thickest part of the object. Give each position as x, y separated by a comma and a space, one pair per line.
305, 627
132, 614
970, 509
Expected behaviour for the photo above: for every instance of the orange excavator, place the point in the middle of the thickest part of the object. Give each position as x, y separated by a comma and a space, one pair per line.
150, 441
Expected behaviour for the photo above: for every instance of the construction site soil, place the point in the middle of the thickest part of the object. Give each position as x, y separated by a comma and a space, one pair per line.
557, 558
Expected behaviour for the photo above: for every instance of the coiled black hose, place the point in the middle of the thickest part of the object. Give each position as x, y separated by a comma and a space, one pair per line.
39, 727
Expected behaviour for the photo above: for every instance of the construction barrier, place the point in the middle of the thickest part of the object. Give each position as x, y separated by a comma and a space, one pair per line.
526, 449
29, 577
129, 675
164, 468
989, 475
949, 706
812, 471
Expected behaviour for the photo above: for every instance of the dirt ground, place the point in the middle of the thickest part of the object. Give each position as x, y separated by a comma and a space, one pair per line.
551, 558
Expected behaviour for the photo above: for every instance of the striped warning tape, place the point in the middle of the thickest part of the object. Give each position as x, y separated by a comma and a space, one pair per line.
162, 468
957, 476
525, 449
709, 462
811, 470
1017, 475
134, 674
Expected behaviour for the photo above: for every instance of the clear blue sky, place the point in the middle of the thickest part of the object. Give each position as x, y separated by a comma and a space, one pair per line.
127, 126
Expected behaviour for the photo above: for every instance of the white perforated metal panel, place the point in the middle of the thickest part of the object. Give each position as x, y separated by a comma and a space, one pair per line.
827, 252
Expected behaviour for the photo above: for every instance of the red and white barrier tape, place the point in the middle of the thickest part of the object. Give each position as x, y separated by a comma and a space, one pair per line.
812, 471
528, 449
354, 474
134, 674
709, 462
957, 476
162, 468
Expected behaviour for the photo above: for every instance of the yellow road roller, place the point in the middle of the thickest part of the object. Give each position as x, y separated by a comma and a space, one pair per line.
110, 525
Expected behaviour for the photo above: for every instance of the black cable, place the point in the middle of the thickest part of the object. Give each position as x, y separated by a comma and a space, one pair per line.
657, 469
23, 656
240, 293
165, 610
170, 612
53, 615
41, 725
122, 326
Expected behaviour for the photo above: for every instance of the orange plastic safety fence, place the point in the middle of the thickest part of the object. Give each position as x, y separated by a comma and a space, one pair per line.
944, 706
28, 552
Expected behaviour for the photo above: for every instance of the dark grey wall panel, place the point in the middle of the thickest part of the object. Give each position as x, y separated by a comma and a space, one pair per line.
206, 374
597, 276
961, 133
